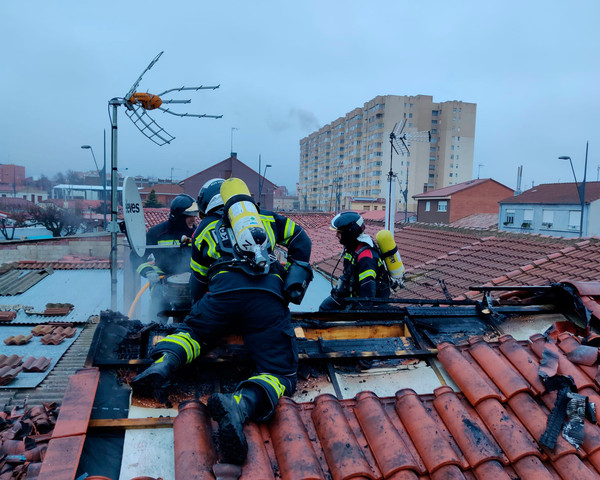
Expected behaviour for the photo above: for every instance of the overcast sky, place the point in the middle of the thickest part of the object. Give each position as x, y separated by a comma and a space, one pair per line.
287, 68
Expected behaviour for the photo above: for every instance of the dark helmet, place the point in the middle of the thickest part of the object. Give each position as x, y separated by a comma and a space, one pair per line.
182, 205
209, 196
350, 225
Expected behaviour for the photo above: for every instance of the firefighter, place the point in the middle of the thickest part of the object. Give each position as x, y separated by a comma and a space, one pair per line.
176, 231
232, 293
364, 274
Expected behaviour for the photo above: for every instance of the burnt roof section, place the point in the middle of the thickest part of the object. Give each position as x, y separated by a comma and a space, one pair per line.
556, 193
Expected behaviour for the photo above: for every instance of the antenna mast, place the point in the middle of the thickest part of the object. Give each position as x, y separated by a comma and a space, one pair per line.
399, 143
137, 105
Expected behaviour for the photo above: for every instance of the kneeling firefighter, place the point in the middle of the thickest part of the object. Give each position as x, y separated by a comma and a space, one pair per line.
365, 274
239, 286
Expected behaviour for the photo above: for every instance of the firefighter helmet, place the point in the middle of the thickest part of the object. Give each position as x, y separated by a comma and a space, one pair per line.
182, 205
350, 224
209, 196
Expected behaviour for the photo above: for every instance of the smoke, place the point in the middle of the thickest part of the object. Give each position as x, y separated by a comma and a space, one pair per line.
296, 118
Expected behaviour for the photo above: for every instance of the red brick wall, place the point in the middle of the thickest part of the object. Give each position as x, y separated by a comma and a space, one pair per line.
432, 216
481, 198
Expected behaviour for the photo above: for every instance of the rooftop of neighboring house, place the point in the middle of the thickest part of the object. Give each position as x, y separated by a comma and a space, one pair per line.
556, 193
453, 189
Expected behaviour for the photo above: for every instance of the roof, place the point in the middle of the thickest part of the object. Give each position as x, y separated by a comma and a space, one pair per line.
479, 221
556, 193
487, 418
163, 189
447, 192
483, 419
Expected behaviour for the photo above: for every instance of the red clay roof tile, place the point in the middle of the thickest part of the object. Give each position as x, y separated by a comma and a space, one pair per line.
432, 442
345, 457
467, 429
497, 368
17, 340
475, 388
291, 443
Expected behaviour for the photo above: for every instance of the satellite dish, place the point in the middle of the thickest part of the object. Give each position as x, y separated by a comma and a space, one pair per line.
133, 213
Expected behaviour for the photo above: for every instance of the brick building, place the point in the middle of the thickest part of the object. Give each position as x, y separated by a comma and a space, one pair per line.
446, 205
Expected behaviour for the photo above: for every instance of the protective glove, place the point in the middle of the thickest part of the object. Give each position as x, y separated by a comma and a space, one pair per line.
153, 278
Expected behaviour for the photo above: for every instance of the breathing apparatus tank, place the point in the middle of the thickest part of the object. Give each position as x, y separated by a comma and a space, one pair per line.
389, 252
248, 229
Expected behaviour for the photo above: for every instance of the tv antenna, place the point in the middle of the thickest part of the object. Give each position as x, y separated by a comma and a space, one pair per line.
399, 143
137, 105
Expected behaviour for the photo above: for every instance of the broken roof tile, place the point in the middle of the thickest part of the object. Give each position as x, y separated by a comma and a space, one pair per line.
32, 364
41, 330
11, 360
52, 339
17, 339
8, 373
7, 315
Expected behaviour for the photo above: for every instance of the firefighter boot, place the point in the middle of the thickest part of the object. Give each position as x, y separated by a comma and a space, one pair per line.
231, 411
151, 381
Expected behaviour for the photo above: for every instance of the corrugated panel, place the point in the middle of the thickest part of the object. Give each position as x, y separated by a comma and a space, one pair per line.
15, 282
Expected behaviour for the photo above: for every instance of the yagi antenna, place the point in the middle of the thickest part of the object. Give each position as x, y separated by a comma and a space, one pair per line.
137, 105
400, 143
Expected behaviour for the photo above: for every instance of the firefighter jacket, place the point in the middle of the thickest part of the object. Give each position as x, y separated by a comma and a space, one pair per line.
365, 274
167, 261
217, 270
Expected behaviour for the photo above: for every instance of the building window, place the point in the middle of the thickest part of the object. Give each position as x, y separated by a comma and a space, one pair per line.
510, 217
434, 113
443, 206
427, 206
547, 218
434, 122
528, 215
574, 219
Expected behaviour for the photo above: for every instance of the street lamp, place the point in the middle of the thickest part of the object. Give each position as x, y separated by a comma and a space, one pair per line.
580, 187
103, 174
261, 182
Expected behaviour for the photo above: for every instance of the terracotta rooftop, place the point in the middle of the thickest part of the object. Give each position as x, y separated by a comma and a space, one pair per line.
491, 424
478, 221
557, 193
452, 189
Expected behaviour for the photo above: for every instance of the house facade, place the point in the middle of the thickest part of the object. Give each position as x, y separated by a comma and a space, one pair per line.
553, 209
260, 188
449, 204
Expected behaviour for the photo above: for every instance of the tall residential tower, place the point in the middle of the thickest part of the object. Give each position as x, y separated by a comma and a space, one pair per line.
349, 158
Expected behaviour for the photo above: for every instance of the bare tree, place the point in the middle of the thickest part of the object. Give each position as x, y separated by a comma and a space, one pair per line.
57, 220
9, 224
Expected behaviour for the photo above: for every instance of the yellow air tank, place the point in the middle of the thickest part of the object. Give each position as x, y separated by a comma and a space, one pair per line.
389, 251
248, 229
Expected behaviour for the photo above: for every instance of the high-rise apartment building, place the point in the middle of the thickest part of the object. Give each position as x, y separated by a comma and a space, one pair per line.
350, 157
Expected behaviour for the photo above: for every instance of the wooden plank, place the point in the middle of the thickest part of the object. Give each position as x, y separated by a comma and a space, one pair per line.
354, 332
131, 423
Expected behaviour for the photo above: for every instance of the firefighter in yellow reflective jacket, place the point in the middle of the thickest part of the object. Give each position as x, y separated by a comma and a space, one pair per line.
243, 289
169, 261
365, 274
